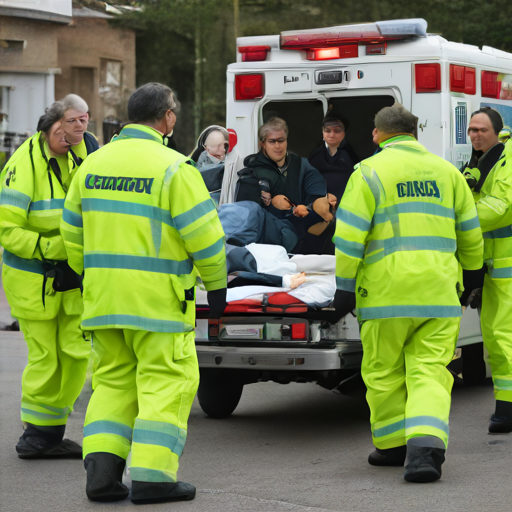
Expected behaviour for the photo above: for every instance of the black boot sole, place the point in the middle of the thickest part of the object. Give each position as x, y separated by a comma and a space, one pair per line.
422, 475
56, 452
162, 499
108, 495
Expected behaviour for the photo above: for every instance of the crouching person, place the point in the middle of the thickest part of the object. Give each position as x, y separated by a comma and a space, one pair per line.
140, 222
43, 292
405, 227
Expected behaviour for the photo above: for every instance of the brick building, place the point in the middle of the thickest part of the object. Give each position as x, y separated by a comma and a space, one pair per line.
51, 48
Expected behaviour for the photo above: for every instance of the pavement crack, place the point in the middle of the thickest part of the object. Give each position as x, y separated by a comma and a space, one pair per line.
285, 504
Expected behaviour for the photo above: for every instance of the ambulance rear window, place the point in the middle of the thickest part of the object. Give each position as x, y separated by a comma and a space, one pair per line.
360, 112
304, 120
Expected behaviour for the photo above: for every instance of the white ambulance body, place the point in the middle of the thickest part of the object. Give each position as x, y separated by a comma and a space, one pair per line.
357, 69
360, 69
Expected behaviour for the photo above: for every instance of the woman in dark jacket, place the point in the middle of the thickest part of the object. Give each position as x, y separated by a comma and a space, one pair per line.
335, 160
282, 183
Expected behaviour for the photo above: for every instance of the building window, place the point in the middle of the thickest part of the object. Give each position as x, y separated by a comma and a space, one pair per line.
10, 45
111, 75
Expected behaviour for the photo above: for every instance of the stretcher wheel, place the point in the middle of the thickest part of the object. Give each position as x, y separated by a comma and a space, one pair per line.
219, 392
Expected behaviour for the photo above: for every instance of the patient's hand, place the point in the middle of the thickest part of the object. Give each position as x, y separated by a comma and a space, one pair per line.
281, 202
300, 211
297, 279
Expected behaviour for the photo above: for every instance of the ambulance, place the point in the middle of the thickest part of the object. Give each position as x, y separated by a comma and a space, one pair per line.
356, 70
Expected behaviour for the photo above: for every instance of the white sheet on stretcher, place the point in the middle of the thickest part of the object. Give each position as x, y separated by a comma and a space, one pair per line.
317, 291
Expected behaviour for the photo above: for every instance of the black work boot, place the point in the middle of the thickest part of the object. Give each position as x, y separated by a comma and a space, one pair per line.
501, 420
105, 477
38, 442
389, 457
159, 492
424, 459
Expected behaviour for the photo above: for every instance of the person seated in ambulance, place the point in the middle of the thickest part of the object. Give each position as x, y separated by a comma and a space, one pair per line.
215, 144
335, 160
284, 184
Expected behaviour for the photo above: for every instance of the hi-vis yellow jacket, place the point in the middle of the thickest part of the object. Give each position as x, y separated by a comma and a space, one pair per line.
494, 206
406, 226
31, 201
140, 221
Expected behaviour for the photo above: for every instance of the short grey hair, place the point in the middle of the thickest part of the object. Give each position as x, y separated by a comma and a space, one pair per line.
150, 102
274, 124
396, 119
52, 114
74, 102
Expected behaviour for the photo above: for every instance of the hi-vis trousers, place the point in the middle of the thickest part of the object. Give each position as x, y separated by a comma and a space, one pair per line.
408, 385
57, 363
496, 323
144, 386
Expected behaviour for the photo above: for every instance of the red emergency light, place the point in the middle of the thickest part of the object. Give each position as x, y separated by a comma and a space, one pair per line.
462, 79
249, 87
341, 52
490, 84
351, 36
253, 53
427, 77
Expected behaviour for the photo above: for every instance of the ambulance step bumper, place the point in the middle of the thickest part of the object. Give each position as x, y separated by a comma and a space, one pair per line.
348, 355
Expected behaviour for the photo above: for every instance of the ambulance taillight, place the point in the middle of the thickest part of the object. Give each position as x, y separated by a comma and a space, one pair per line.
249, 87
427, 77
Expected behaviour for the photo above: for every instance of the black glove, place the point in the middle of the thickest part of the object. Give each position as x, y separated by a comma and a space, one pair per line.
217, 302
66, 278
472, 280
344, 302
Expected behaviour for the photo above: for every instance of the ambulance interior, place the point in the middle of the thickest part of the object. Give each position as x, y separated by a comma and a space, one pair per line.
304, 119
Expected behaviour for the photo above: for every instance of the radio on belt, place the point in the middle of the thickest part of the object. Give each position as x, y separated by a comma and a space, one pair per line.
328, 77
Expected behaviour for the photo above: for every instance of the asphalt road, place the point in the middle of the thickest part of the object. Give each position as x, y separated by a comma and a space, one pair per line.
286, 448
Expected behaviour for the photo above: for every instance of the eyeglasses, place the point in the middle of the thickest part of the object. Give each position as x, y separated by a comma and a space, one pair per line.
276, 141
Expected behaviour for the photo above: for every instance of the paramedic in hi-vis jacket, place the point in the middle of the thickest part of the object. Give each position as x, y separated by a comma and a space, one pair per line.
140, 222
491, 170
406, 227
42, 290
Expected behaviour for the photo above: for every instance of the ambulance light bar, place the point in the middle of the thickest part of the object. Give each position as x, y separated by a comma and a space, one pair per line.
365, 33
254, 53
340, 52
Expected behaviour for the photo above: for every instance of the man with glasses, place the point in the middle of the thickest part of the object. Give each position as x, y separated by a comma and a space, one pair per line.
140, 222
489, 175
74, 124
